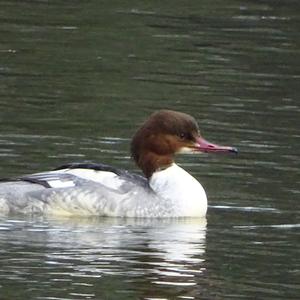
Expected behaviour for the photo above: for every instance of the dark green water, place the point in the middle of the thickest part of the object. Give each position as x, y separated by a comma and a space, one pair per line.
78, 77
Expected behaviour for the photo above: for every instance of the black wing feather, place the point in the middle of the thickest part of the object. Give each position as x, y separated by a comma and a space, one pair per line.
43, 178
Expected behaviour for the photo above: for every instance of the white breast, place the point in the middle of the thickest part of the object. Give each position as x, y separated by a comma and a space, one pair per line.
185, 192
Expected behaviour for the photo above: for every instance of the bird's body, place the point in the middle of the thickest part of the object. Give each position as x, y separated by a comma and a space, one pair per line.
96, 189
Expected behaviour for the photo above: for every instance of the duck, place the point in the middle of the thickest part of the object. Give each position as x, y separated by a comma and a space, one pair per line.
165, 189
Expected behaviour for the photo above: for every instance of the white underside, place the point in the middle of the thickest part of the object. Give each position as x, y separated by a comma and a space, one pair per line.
175, 193
184, 192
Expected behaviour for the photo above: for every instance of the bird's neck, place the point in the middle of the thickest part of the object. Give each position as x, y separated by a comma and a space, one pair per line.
151, 162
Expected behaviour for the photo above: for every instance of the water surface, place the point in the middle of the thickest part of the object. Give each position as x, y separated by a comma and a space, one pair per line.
77, 78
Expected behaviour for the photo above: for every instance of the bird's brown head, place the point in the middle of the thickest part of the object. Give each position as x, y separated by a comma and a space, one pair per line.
164, 134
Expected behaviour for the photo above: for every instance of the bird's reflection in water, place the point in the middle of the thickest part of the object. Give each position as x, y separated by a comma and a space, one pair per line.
130, 254
142, 245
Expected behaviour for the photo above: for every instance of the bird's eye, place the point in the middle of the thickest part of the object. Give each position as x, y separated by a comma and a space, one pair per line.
182, 135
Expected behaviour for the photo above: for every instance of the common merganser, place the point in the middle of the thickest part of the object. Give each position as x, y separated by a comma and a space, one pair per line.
95, 189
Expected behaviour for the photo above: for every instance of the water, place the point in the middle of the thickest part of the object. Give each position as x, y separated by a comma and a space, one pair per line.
77, 78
